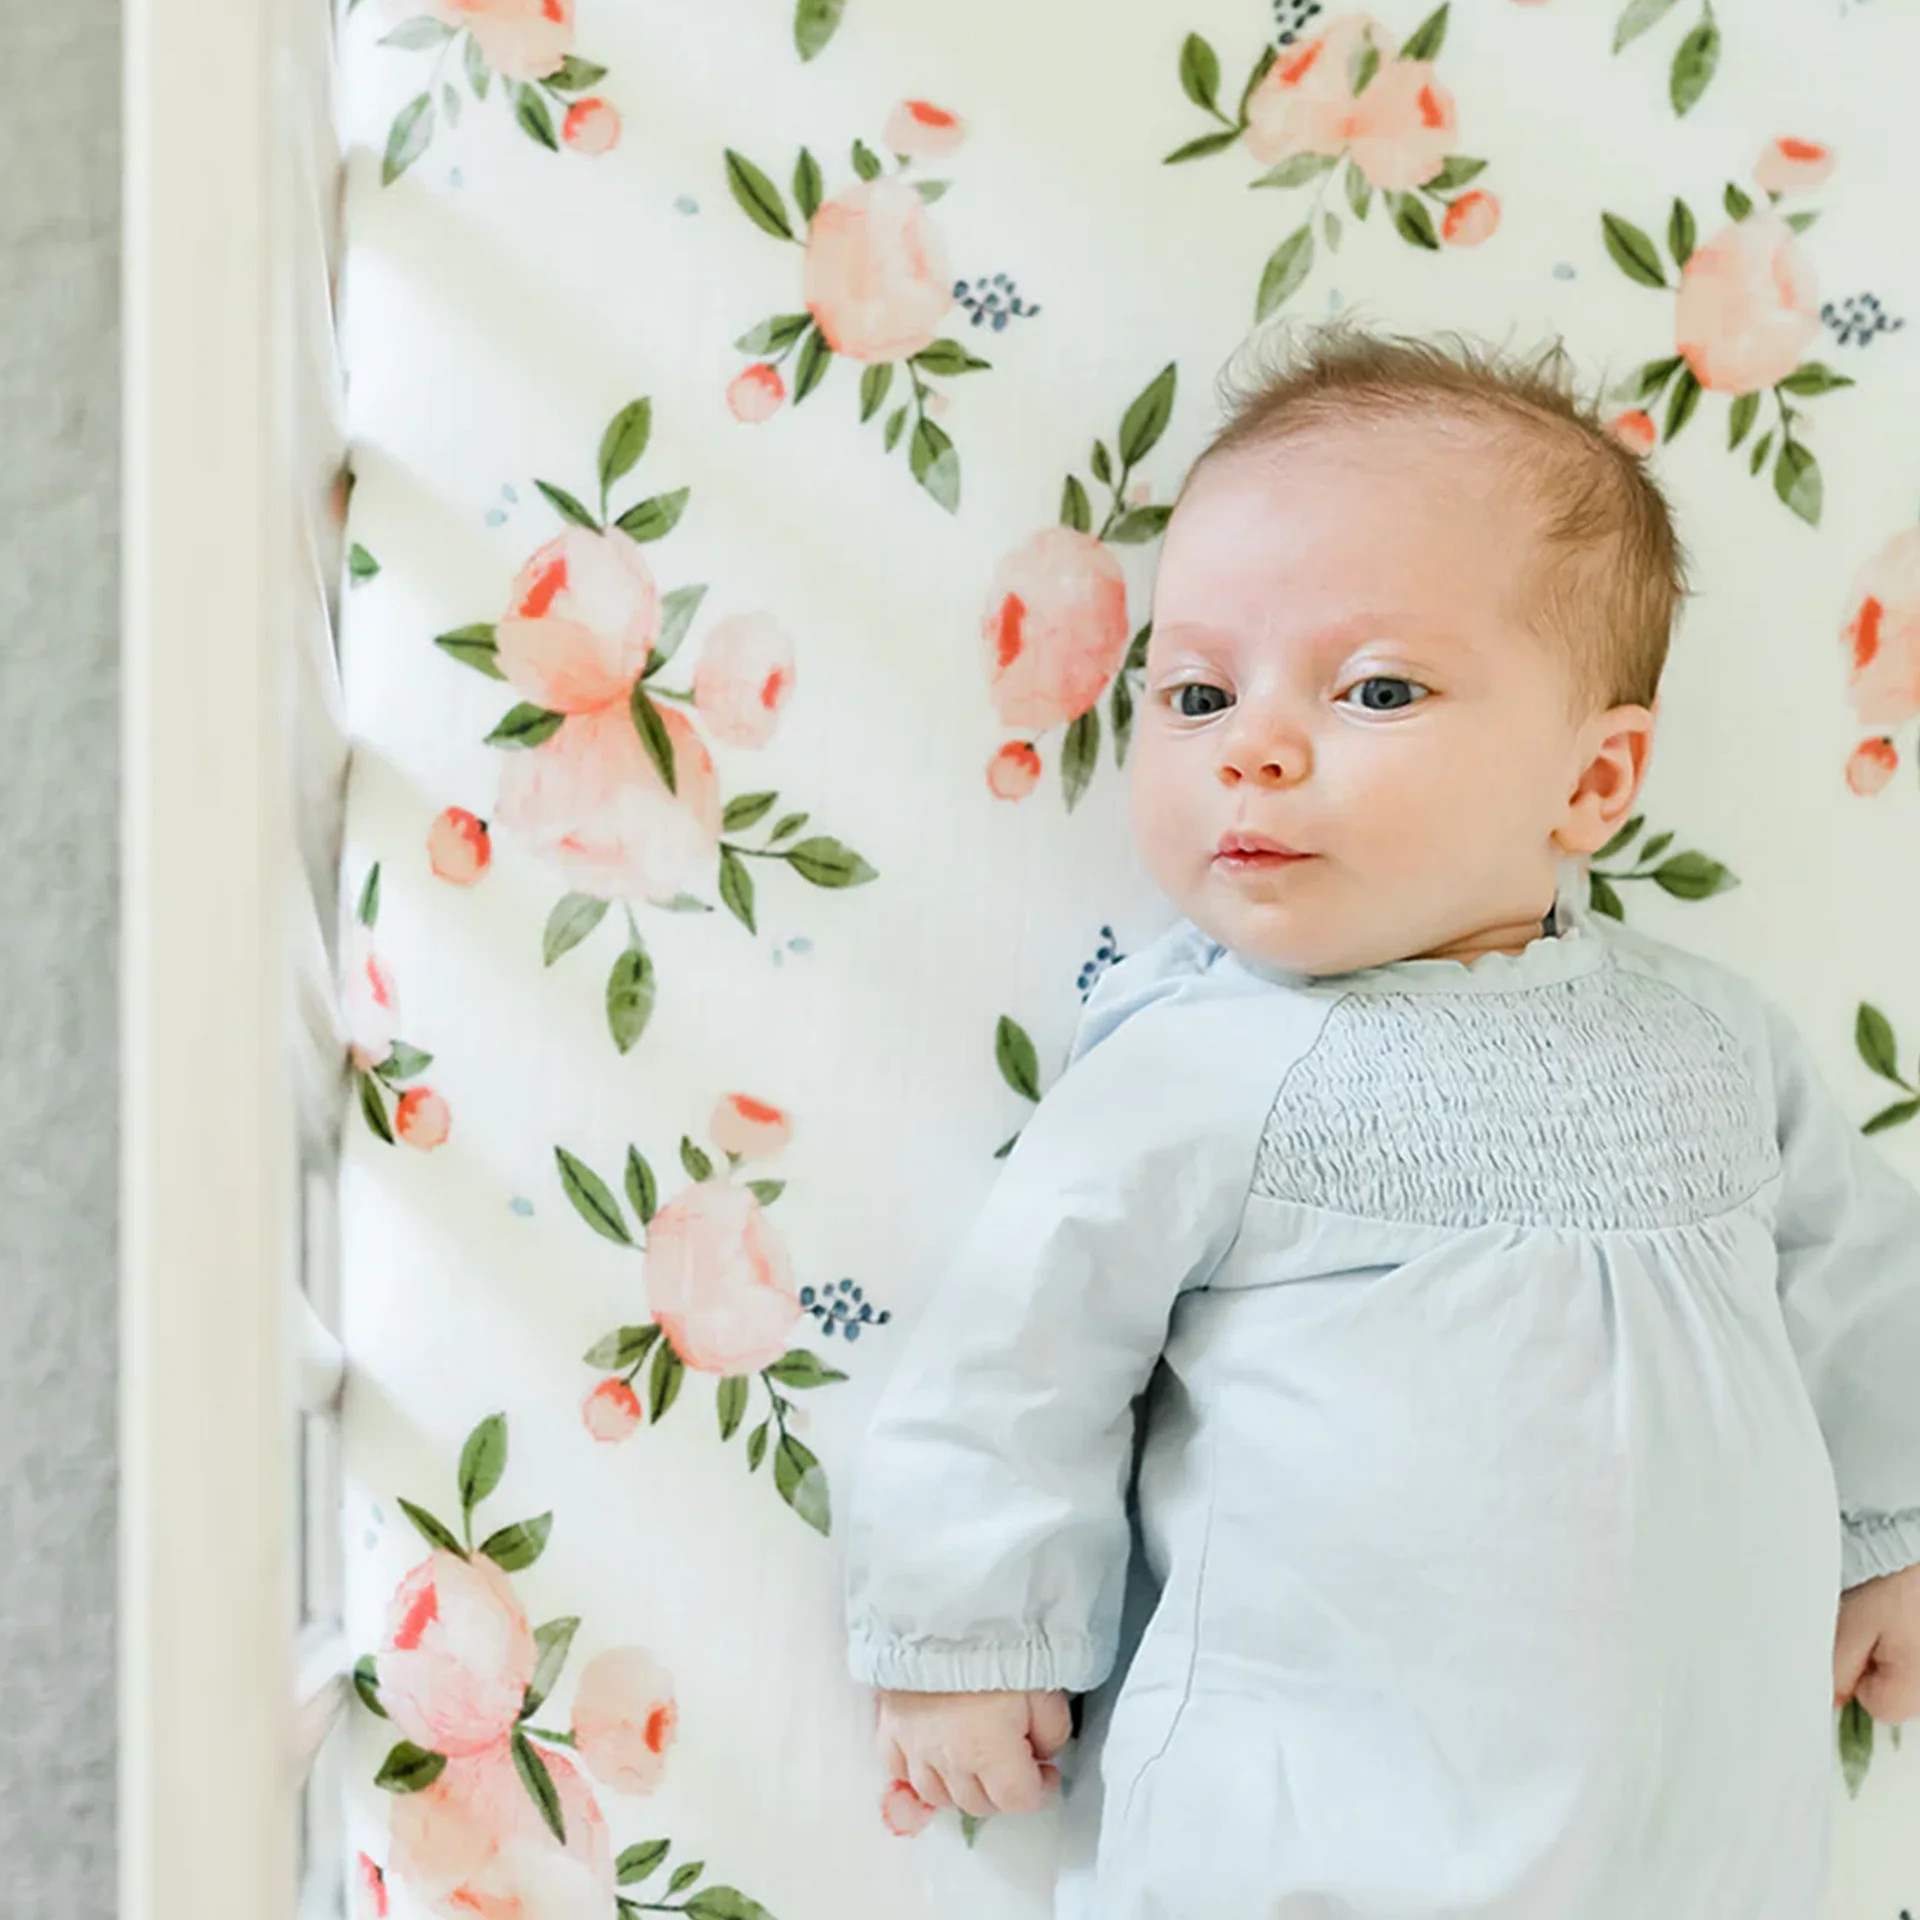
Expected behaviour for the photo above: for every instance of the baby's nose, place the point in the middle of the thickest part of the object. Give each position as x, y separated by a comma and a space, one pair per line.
1264, 761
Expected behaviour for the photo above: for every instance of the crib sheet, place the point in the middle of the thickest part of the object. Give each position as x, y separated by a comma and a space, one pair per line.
835, 365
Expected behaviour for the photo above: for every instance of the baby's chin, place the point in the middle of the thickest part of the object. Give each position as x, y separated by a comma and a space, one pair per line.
1287, 935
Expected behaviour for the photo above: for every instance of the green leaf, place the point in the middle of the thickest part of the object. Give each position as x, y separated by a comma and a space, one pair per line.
732, 1404
568, 508
824, 862
1603, 897
643, 1192
1146, 420
525, 726
770, 336
1359, 191
1856, 1744
724, 1903
1814, 376
808, 188
479, 74
1136, 660
373, 1107
1656, 373
650, 724
1362, 64
1896, 1115
801, 1484
800, 1369
697, 1164
757, 1446
1796, 479
1140, 524
538, 1782
1122, 718
574, 75
514, 1548
1633, 253
434, 1532
970, 1825
1873, 1037
553, 1641
1262, 66
366, 1683
811, 367
866, 163
403, 1063
407, 138
1412, 222
935, 464
1014, 1054
624, 441
1746, 409
1737, 203
759, 198
1693, 65
1692, 876
1079, 755
1457, 171
575, 915
766, 1191
1199, 149
473, 647
1426, 40
408, 1768
946, 357
361, 565
1075, 509
744, 809
895, 421
630, 991
669, 1371
736, 888
531, 115
931, 190
873, 388
655, 517
1331, 230
814, 22
420, 32
1654, 848
676, 616
685, 1875
1638, 17
1285, 271
637, 1863
369, 910
1681, 232
1101, 463
1622, 838
1682, 402
615, 1352
1200, 73
592, 1199
1802, 220
482, 1461
788, 823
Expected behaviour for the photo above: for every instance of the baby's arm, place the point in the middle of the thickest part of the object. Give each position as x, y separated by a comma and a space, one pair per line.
981, 1752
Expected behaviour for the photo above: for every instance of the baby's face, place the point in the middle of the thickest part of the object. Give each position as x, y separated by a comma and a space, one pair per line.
1340, 666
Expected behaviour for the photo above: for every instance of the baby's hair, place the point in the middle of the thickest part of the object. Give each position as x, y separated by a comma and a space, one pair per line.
1612, 575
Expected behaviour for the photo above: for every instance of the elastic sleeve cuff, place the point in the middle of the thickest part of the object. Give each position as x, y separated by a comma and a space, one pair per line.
1043, 1660
1877, 1543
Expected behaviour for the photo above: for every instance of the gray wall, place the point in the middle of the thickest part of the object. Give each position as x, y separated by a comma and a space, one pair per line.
59, 422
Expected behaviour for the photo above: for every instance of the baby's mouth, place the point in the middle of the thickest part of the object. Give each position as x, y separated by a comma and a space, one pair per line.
1256, 853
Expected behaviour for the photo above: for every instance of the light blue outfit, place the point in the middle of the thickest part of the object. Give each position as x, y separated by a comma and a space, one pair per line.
1535, 1354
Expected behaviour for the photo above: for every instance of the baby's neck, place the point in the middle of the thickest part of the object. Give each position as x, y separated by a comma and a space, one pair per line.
1507, 937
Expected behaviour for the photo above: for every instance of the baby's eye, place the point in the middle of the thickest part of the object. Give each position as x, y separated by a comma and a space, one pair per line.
1197, 699
1387, 692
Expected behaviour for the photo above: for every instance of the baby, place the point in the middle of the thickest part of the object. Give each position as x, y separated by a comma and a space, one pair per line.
1527, 1345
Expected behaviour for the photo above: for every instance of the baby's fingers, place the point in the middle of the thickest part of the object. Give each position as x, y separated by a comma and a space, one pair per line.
970, 1795
1853, 1644
1015, 1783
925, 1780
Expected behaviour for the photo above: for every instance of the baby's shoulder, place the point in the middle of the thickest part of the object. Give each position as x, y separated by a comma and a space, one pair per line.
1714, 989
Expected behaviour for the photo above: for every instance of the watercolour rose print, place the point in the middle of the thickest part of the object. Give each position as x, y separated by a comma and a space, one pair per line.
608, 775
1746, 308
1879, 1046
527, 46
722, 1296
1346, 103
1880, 641
876, 290
1055, 634
381, 1062
494, 1814
1686, 875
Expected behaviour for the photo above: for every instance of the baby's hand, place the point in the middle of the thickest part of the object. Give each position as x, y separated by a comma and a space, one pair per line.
984, 1753
1876, 1647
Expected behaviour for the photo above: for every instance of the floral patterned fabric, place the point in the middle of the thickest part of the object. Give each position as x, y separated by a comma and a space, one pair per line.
764, 420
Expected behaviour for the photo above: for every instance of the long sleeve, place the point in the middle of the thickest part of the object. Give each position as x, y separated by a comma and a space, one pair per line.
987, 1531
1848, 1233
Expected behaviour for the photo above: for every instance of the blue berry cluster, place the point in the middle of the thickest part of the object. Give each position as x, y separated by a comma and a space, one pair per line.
996, 300
842, 1309
1291, 19
1856, 321
1104, 955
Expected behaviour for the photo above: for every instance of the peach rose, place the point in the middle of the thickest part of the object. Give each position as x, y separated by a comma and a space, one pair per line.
473, 1846
591, 802
584, 616
919, 130
369, 1890
422, 1119
458, 1655
749, 1128
371, 1002
1014, 771
1635, 431
458, 849
744, 678
1792, 166
1470, 219
611, 1412
1748, 306
592, 126
876, 279
624, 1719
719, 1280
1871, 765
1403, 127
520, 39
1055, 628
904, 1811
1304, 101
1882, 634
755, 393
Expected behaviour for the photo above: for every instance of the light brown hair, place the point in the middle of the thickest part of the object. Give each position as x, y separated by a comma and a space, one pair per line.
1612, 573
